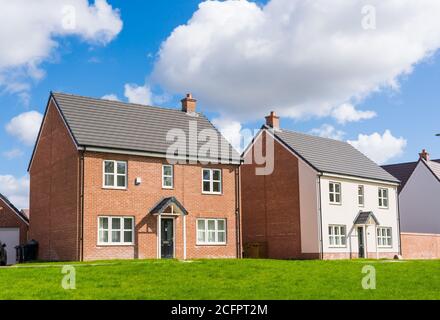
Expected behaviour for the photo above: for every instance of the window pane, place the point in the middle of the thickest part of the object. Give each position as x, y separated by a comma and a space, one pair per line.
332, 197
167, 171
211, 224
201, 236
221, 237
206, 175
338, 198
128, 223
116, 223
332, 242
216, 174
343, 240
389, 232
109, 167
206, 186
211, 236
201, 225
338, 188
216, 186
103, 236
103, 223
167, 182
109, 180
330, 230
121, 167
332, 187
116, 236
385, 202
220, 225
343, 231
128, 236
337, 242
121, 181
336, 230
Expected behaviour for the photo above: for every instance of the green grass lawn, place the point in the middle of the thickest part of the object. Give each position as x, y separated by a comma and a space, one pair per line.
223, 279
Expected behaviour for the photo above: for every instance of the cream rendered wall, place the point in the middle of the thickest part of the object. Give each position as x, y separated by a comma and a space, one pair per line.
346, 212
420, 202
308, 195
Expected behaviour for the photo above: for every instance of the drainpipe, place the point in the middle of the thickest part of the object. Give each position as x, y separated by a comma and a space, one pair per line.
321, 243
237, 212
81, 224
399, 238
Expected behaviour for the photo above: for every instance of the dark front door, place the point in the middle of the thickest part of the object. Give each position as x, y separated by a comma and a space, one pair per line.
361, 242
167, 238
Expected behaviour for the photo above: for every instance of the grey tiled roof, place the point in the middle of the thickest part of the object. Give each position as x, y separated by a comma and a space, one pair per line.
333, 156
133, 127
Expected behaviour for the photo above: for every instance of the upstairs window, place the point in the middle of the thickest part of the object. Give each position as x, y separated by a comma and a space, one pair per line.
335, 192
167, 176
383, 198
212, 181
115, 174
361, 196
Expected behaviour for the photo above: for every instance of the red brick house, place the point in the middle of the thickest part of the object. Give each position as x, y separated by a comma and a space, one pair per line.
109, 180
13, 227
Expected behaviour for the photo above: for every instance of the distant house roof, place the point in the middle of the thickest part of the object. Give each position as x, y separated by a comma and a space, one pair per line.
333, 156
403, 171
132, 127
13, 208
25, 212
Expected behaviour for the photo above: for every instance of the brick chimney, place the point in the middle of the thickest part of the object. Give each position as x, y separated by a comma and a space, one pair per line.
273, 120
189, 104
424, 155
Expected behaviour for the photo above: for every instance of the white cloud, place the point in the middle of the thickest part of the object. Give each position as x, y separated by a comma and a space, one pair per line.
233, 131
380, 148
138, 94
299, 57
111, 97
16, 190
25, 126
29, 33
347, 113
328, 131
13, 153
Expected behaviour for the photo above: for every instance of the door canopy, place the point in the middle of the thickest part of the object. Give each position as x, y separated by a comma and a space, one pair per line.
366, 218
169, 206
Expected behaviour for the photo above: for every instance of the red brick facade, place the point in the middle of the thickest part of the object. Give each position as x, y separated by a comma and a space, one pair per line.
66, 224
270, 205
10, 219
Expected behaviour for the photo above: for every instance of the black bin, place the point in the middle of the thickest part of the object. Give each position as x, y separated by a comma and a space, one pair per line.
30, 251
19, 254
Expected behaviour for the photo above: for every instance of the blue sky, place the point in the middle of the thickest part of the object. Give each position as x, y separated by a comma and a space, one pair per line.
81, 66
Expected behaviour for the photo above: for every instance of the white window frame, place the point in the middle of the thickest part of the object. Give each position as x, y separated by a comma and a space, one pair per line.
115, 175
121, 230
382, 198
167, 176
341, 236
361, 195
334, 193
211, 181
384, 241
217, 231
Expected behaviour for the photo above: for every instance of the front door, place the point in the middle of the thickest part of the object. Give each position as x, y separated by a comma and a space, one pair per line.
167, 238
361, 242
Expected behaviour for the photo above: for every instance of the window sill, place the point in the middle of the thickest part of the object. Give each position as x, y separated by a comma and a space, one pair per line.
384, 247
337, 247
212, 193
384, 208
115, 245
115, 188
335, 203
167, 188
211, 244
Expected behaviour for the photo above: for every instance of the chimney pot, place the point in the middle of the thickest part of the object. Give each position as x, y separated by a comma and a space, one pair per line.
273, 120
189, 104
424, 155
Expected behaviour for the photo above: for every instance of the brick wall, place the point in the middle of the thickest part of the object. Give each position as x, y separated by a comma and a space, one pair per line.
270, 205
420, 246
138, 200
54, 181
9, 219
